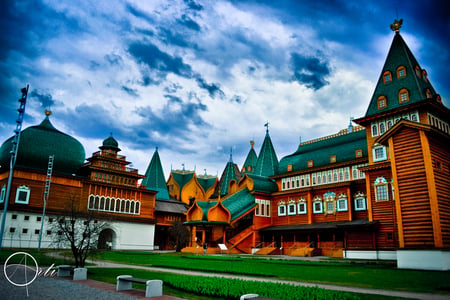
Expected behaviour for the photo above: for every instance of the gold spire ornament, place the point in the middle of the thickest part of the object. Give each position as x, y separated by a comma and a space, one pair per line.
48, 112
397, 25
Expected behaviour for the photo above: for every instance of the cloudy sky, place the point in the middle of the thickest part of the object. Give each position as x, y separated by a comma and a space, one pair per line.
197, 78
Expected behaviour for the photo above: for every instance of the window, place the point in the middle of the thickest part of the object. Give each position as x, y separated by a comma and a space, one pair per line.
329, 199
401, 72
2, 194
387, 77
341, 204
281, 208
374, 129
26, 218
319, 178
347, 173
403, 96
428, 93
292, 207
50, 220
301, 207
23, 195
360, 202
418, 72
381, 102
263, 208
415, 116
37, 231
335, 175
49, 232
317, 207
379, 153
358, 153
289, 168
332, 158
14, 217
283, 184
24, 230
381, 189
389, 124
297, 180
424, 75
382, 128
12, 229
330, 176
302, 180
310, 164
355, 172
38, 219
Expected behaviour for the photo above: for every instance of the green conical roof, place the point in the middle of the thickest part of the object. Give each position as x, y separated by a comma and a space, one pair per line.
267, 163
154, 177
38, 142
400, 55
250, 161
230, 172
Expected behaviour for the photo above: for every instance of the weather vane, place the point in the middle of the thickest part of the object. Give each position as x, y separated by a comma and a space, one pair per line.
397, 25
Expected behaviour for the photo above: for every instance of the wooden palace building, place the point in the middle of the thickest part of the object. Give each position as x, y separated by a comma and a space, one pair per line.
378, 189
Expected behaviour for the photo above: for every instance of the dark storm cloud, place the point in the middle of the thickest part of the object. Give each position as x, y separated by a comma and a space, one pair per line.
130, 91
213, 89
193, 5
139, 13
174, 38
155, 59
310, 71
189, 23
171, 122
46, 100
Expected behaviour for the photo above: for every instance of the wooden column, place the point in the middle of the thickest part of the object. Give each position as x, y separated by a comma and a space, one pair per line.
398, 209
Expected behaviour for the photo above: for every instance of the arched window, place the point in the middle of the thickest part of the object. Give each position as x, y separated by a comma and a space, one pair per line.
382, 128
91, 202
118, 203
102, 203
418, 72
425, 75
401, 72
374, 129
387, 76
132, 207
428, 93
381, 102
107, 203
96, 203
113, 206
127, 206
381, 189
122, 206
137, 208
403, 96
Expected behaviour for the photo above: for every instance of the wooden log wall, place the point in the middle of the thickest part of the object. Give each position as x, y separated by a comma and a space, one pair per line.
413, 190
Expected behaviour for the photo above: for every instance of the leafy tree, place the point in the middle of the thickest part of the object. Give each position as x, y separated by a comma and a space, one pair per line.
78, 230
179, 236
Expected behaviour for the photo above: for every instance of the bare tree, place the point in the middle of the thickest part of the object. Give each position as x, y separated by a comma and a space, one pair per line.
179, 235
78, 230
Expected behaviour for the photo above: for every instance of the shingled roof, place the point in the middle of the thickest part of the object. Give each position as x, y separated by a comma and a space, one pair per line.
415, 80
267, 163
154, 177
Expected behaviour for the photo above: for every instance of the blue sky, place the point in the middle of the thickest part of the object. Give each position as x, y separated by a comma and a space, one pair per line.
198, 78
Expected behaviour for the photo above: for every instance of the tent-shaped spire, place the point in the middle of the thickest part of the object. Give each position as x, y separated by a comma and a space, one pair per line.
250, 161
401, 74
267, 163
230, 172
154, 177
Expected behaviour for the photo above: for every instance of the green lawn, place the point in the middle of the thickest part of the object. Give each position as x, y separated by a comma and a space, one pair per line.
338, 272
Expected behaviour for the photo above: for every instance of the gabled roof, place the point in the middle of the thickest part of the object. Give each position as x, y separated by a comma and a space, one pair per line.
400, 55
342, 145
250, 161
239, 203
154, 177
267, 163
205, 206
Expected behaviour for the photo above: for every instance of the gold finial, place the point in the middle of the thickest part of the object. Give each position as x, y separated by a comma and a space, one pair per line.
397, 25
48, 112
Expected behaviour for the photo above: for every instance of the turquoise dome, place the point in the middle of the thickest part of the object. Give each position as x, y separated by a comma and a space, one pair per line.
110, 143
37, 143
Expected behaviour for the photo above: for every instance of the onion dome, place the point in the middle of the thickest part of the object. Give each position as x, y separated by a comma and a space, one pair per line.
110, 143
38, 142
